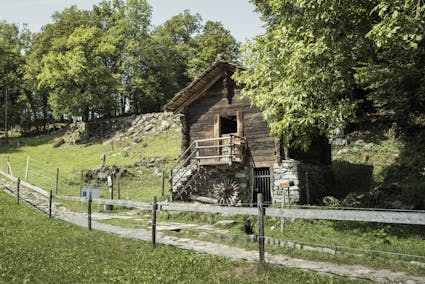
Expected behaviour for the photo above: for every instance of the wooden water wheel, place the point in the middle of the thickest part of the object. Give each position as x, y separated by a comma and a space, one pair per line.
227, 192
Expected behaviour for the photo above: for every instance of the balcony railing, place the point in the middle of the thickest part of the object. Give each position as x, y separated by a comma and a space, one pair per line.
214, 151
221, 150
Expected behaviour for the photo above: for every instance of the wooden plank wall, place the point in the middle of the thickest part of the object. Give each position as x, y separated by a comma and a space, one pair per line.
255, 129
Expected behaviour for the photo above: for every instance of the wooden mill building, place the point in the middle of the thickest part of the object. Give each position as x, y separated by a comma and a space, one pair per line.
228, 154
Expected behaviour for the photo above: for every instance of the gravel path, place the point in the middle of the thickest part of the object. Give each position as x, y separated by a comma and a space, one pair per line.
350, 271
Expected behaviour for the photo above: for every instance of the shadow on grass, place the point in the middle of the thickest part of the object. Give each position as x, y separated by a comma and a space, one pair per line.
14, 145
380, 232
350, 178
404, 180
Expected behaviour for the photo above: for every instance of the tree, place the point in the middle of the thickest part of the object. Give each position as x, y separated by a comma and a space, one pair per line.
300, 72
213, 41
172, 47
11, 59
126, 24
80, 82
51, 40
76, 70
394, 74
319, 59
183, 48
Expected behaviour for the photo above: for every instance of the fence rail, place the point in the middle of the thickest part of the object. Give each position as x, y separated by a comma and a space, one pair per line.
359, 215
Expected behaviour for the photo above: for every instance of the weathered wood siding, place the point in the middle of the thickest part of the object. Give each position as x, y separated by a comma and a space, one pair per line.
203, 111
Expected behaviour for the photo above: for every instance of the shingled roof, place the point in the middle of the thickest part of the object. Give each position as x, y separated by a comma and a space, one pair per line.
197, 88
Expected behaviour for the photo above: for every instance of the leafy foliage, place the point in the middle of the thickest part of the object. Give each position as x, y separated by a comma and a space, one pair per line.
317, 59
107, 61
394, 73
12, 41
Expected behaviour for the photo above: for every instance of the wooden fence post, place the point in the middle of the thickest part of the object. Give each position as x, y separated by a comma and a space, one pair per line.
9, 168
57, 180
162, 182
154, 208
104, 158
282, 220
289, 197
81, 183
171, 185
50, 203
81, 191
307, 188
89, 210
17, 191
260, 227
118, 178
27, 168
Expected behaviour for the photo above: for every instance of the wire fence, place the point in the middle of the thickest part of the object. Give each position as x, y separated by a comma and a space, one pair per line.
42, 174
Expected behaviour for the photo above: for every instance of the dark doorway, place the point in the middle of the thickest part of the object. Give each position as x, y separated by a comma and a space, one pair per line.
262, 184
229, 124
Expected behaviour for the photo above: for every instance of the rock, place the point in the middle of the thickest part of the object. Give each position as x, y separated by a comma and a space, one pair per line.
137, 139
158, 172
338, 133
331, 201
342, 151
339, 141
164, 125
368, 146
160, 159
148, 127
59, 143
226, 222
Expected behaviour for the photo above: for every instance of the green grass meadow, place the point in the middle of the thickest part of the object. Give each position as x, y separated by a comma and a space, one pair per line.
35, 249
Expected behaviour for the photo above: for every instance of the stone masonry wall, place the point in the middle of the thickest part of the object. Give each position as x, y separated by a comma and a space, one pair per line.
286, 183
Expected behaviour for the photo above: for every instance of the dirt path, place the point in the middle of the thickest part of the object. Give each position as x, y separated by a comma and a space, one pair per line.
350, 271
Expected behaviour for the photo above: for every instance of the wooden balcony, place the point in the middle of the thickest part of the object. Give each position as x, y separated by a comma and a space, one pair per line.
224, 150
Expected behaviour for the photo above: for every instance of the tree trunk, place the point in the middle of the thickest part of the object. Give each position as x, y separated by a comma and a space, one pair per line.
85, 118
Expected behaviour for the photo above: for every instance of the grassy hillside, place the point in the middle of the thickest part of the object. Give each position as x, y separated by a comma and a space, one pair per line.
381, 166
35, 249
141, 182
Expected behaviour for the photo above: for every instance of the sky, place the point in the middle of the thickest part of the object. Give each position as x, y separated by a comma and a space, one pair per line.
238, 16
